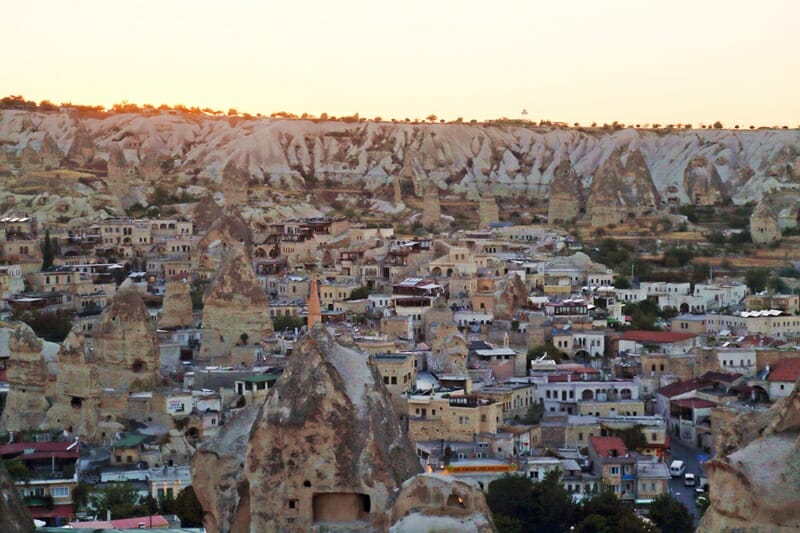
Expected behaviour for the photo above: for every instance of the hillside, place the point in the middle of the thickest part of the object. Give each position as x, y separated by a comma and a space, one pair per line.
281, 166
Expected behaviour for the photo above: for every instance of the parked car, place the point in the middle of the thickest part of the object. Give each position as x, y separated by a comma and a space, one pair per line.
689, 480
677, 468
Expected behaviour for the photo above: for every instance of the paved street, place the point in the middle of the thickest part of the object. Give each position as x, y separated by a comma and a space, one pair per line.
685, 494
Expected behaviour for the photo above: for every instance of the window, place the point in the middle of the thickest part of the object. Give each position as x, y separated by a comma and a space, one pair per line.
59, 492
613, 470
580, 436
394, 380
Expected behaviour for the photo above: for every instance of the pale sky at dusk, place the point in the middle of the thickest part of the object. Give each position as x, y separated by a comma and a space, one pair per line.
635, 61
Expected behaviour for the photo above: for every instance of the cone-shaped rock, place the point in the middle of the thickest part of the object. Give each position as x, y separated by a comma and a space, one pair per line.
566, 193
78, 390
124, 345
27, 378
235, 308
327, 446
177, 312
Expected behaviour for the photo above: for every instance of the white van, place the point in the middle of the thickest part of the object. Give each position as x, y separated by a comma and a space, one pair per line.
689, 480
677, 468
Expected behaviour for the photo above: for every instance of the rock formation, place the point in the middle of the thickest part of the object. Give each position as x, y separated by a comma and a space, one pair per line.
510, 294
177, 310
431, 210
687, 166
219, 477
206, 213
488, 210
621, 191
26, 403
755, 477
234, 184
702, 182
325, 450
235, 309
14, 516
124, 345
82, 150
566, 202
329, 446
764, 226
430, 503
78, 391
226, 232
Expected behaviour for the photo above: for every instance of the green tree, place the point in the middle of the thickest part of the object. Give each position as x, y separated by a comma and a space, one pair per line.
283, 322
188, 508
547, 348
621, 282
634, 438
756, 279
534, 414
122, 499
50, 325
48, 253
542, 506
80, 495
359, 293
670, 515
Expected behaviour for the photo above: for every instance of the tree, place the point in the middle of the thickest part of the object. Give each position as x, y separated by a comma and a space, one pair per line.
188, 508
547, 348
122, 499
621, 282
48, 253
359, 294
431, 118
670, 515
756, 279
284, 322
534, 414
718, 125
634, 438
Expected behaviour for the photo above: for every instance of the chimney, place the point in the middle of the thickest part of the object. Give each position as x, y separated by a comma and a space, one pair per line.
314, 308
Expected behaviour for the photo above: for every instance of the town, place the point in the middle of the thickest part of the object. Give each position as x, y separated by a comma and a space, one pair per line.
131, 345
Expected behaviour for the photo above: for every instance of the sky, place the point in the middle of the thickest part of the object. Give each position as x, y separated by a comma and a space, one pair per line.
637, 61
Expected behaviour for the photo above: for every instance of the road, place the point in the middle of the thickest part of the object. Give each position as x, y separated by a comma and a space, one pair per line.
685, 494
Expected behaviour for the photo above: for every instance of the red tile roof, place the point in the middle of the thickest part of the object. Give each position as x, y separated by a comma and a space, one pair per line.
123, 523
693, 403
41, 450
785, 370
680, 387
604, 445
656, 337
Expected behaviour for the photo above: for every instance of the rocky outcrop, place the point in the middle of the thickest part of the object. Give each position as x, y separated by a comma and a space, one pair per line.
488, 211
235, 308
431, 210
622, 190
177, 309
435, 503
764, 225
566, 202
76, 407
755, 477
328, 440
687, 166
219, 478
14, 516
124, 346
226, 232
510, 294
26, 403
702, 182
326, 452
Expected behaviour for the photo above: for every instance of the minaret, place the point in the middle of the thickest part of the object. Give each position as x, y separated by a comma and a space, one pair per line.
314, 309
